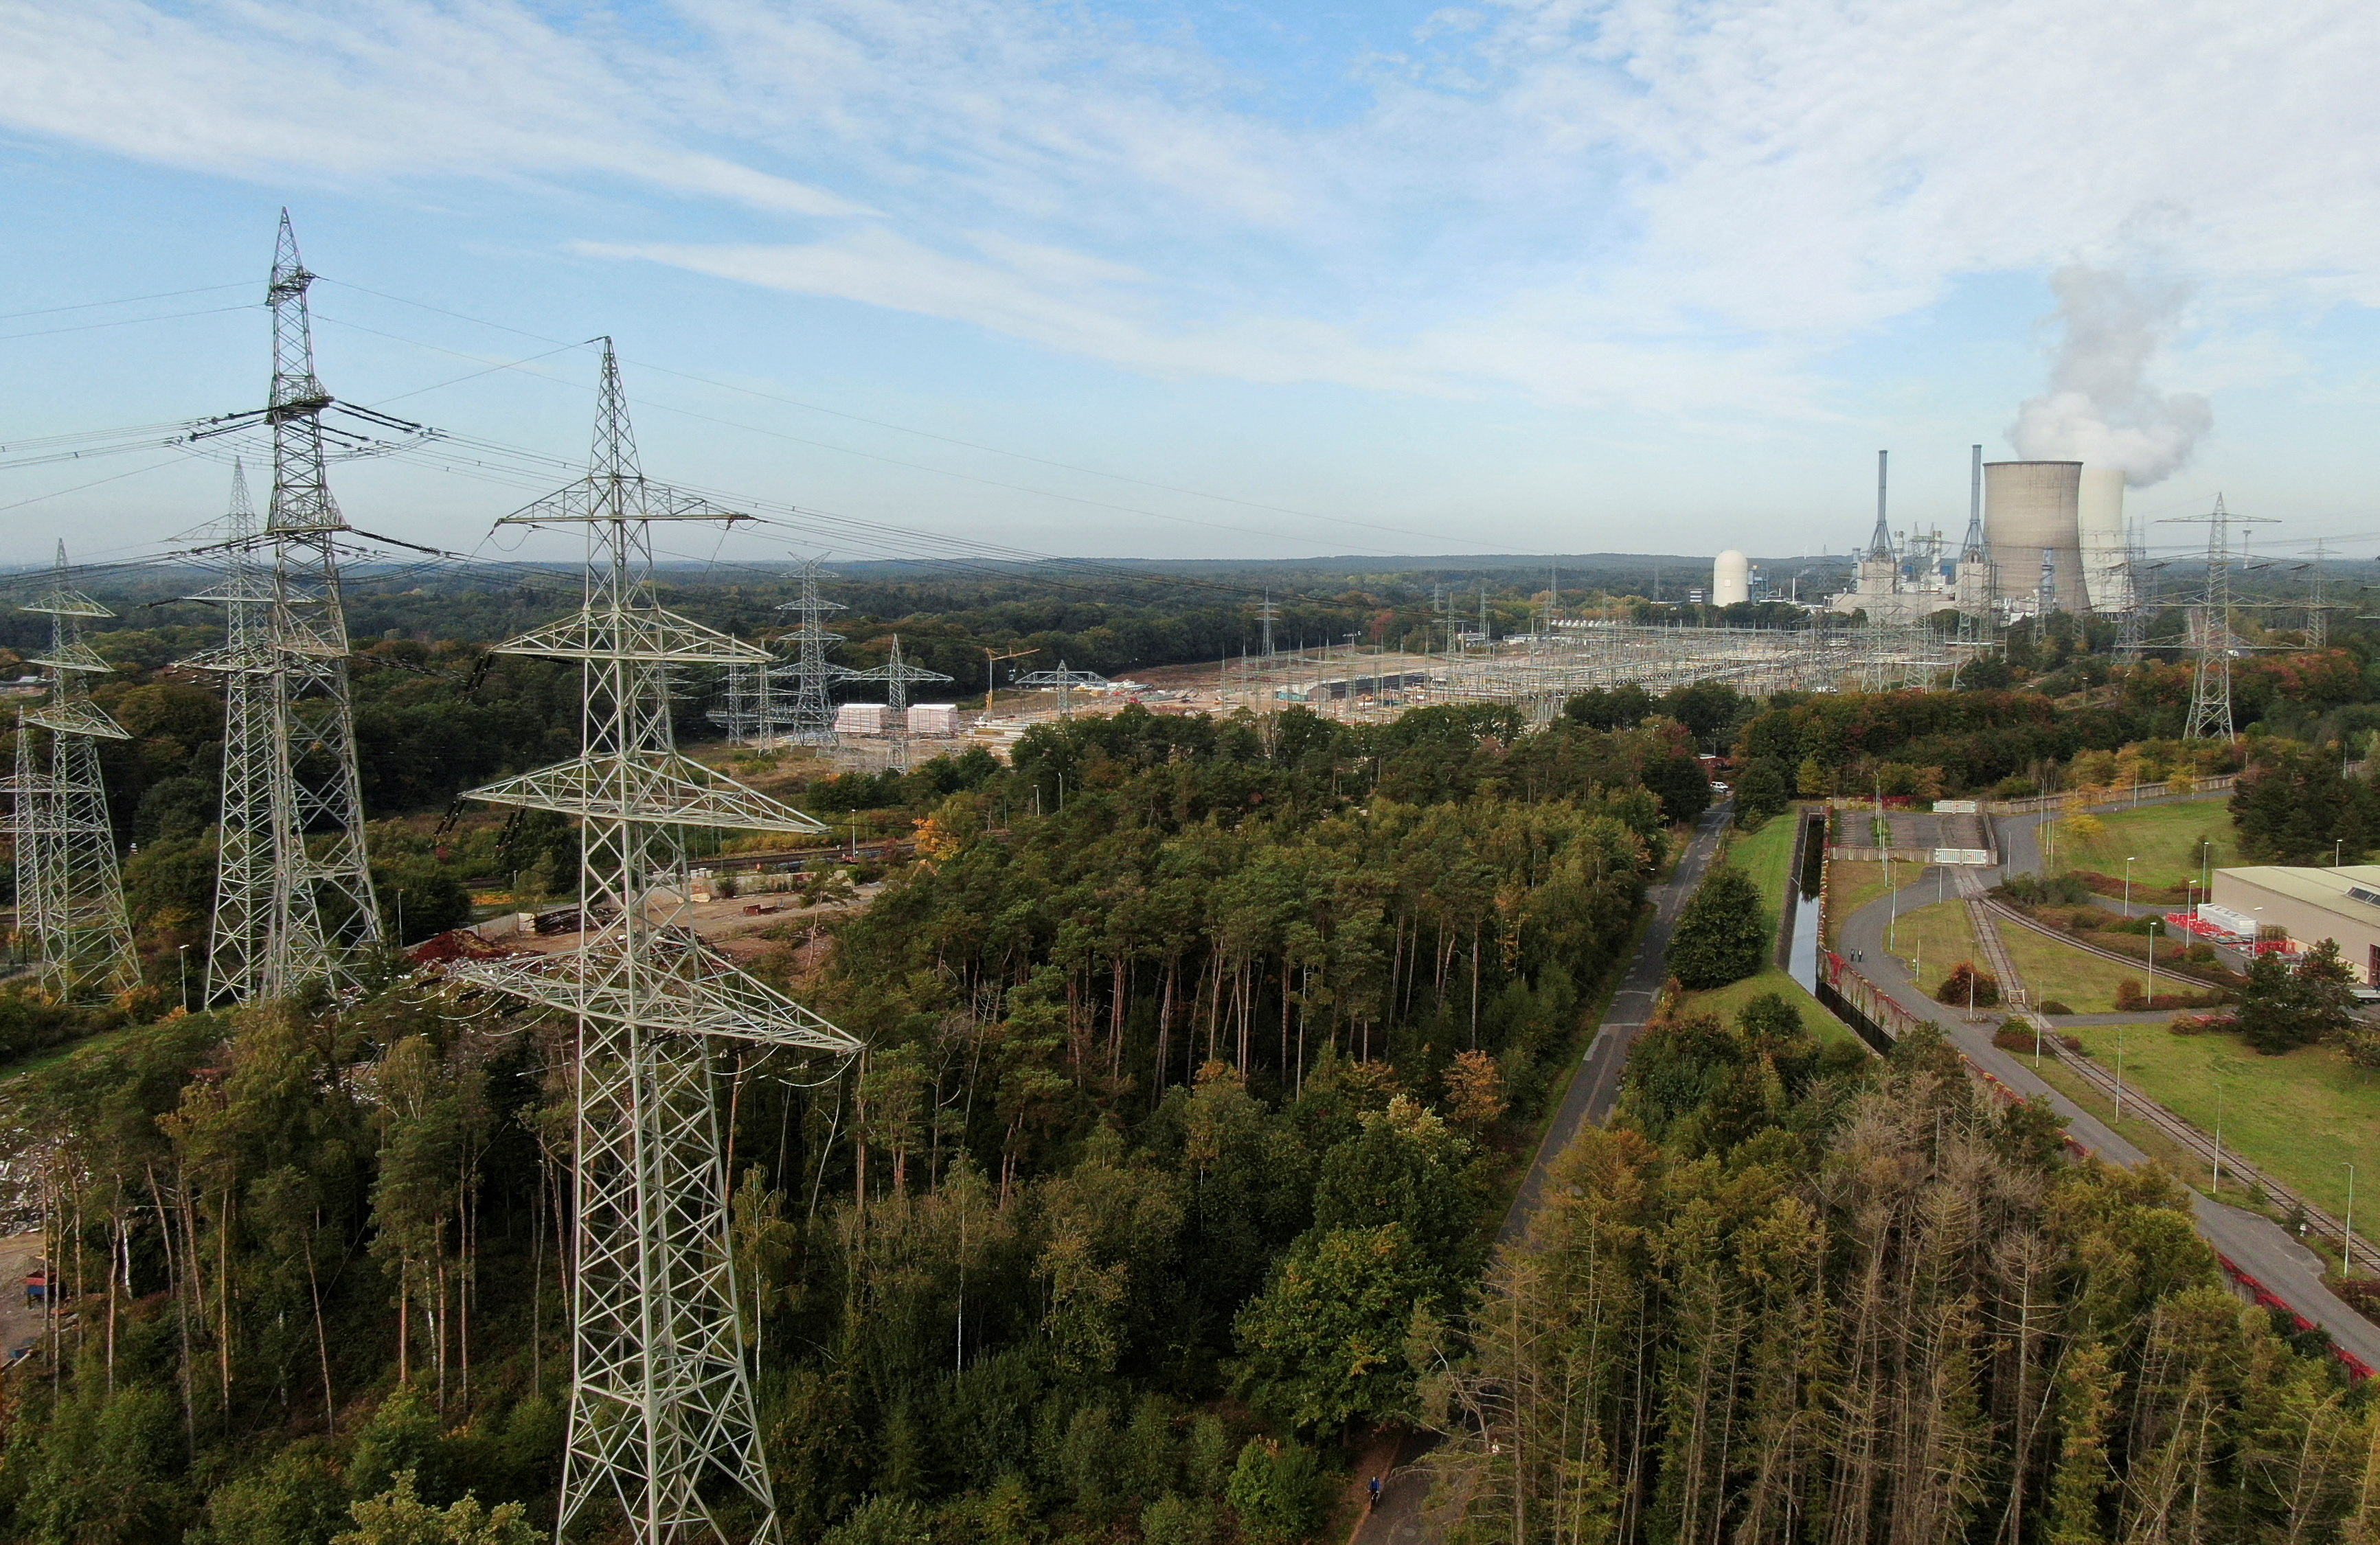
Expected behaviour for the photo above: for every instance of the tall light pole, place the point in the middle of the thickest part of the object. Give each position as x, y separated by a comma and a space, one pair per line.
2348, 1262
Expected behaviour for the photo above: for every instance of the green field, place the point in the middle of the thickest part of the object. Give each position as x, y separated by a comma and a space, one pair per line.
1930, 940
2084, 982
1766, 856
2163, 838
2303, 1118
1728, 1001
1851, 886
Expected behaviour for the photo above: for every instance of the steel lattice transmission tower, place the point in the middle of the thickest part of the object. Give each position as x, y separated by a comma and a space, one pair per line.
244, 843
807, 710
2211, 639
1064, 680
897, 675
69, 890
662, 1413
294, 901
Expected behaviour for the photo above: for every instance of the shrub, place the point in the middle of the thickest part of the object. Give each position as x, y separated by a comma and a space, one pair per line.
1965, 979
2129, 994
2054, 1007
2014, 1035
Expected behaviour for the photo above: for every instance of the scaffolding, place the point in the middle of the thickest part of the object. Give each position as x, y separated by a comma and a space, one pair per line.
69, 890
662, 1418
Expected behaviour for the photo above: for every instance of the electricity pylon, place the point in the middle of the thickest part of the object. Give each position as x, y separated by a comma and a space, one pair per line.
1065, 681
807, 710
897, 675
294, 901
2211, 641
69, 890
244, 843
662, 1413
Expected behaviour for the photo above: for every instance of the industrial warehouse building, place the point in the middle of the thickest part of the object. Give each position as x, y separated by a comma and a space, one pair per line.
2306, 906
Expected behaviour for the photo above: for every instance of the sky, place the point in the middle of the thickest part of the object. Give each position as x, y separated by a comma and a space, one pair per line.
1236, 280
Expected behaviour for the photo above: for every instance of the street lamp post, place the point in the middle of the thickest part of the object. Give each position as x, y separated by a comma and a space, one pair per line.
2348, 1255
185, 976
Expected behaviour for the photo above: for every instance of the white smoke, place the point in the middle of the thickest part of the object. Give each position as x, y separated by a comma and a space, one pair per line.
2098, 410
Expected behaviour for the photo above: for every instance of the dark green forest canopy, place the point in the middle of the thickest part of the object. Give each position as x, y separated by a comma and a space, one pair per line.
1234, 1046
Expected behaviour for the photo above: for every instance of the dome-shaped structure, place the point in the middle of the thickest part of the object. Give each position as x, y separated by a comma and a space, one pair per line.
1731, 578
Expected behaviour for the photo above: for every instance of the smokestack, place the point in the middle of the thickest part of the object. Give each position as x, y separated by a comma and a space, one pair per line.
1973, 552
1880, 544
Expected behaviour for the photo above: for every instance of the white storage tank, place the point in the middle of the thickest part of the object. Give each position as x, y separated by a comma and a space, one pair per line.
2029, 510
2100, 521
1731, 578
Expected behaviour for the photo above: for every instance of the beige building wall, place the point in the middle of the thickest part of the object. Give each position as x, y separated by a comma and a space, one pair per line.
2312, 905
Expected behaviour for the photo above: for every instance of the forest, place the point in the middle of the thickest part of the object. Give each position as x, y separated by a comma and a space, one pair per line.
1275, 998
1782, 1300
1202, 1058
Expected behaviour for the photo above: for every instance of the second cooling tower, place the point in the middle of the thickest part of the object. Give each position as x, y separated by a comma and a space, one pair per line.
2029, 510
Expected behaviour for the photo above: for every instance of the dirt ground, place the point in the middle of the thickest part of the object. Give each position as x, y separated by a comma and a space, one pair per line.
738, 933
19, 1253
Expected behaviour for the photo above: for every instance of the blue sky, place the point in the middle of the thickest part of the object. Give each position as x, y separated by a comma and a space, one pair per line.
1560, 277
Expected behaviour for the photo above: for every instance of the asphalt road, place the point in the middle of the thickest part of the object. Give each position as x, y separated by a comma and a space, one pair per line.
1595, 1087
1594, 1090
2260, 1248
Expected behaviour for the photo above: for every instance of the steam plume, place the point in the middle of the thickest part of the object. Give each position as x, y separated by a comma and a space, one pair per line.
2097, 408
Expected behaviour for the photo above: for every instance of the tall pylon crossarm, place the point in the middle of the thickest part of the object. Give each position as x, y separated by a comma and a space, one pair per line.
662, 1409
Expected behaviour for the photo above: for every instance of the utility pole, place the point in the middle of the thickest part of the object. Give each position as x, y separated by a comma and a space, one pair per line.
69, 890
1267, 614
663, 1421
240, 926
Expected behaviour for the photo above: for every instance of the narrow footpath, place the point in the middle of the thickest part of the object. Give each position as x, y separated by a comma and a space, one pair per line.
1594, 1090
1595, 1087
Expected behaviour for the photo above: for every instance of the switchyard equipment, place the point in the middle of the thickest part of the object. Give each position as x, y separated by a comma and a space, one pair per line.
662, 1413
767, 704
898, 676
294, 900
69, 891
1064, 682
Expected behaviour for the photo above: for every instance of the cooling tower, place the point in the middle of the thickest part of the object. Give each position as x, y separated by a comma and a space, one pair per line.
1731, 578
2029, 509
2100, 521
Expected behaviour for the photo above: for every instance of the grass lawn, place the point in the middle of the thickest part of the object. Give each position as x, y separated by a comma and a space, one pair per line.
2164, 838
2301, 1118
1728, 1001
1930, 940
1766, 856
1851, 886
2084, 982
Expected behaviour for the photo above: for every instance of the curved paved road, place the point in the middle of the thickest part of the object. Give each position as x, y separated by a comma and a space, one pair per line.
2262, 1247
